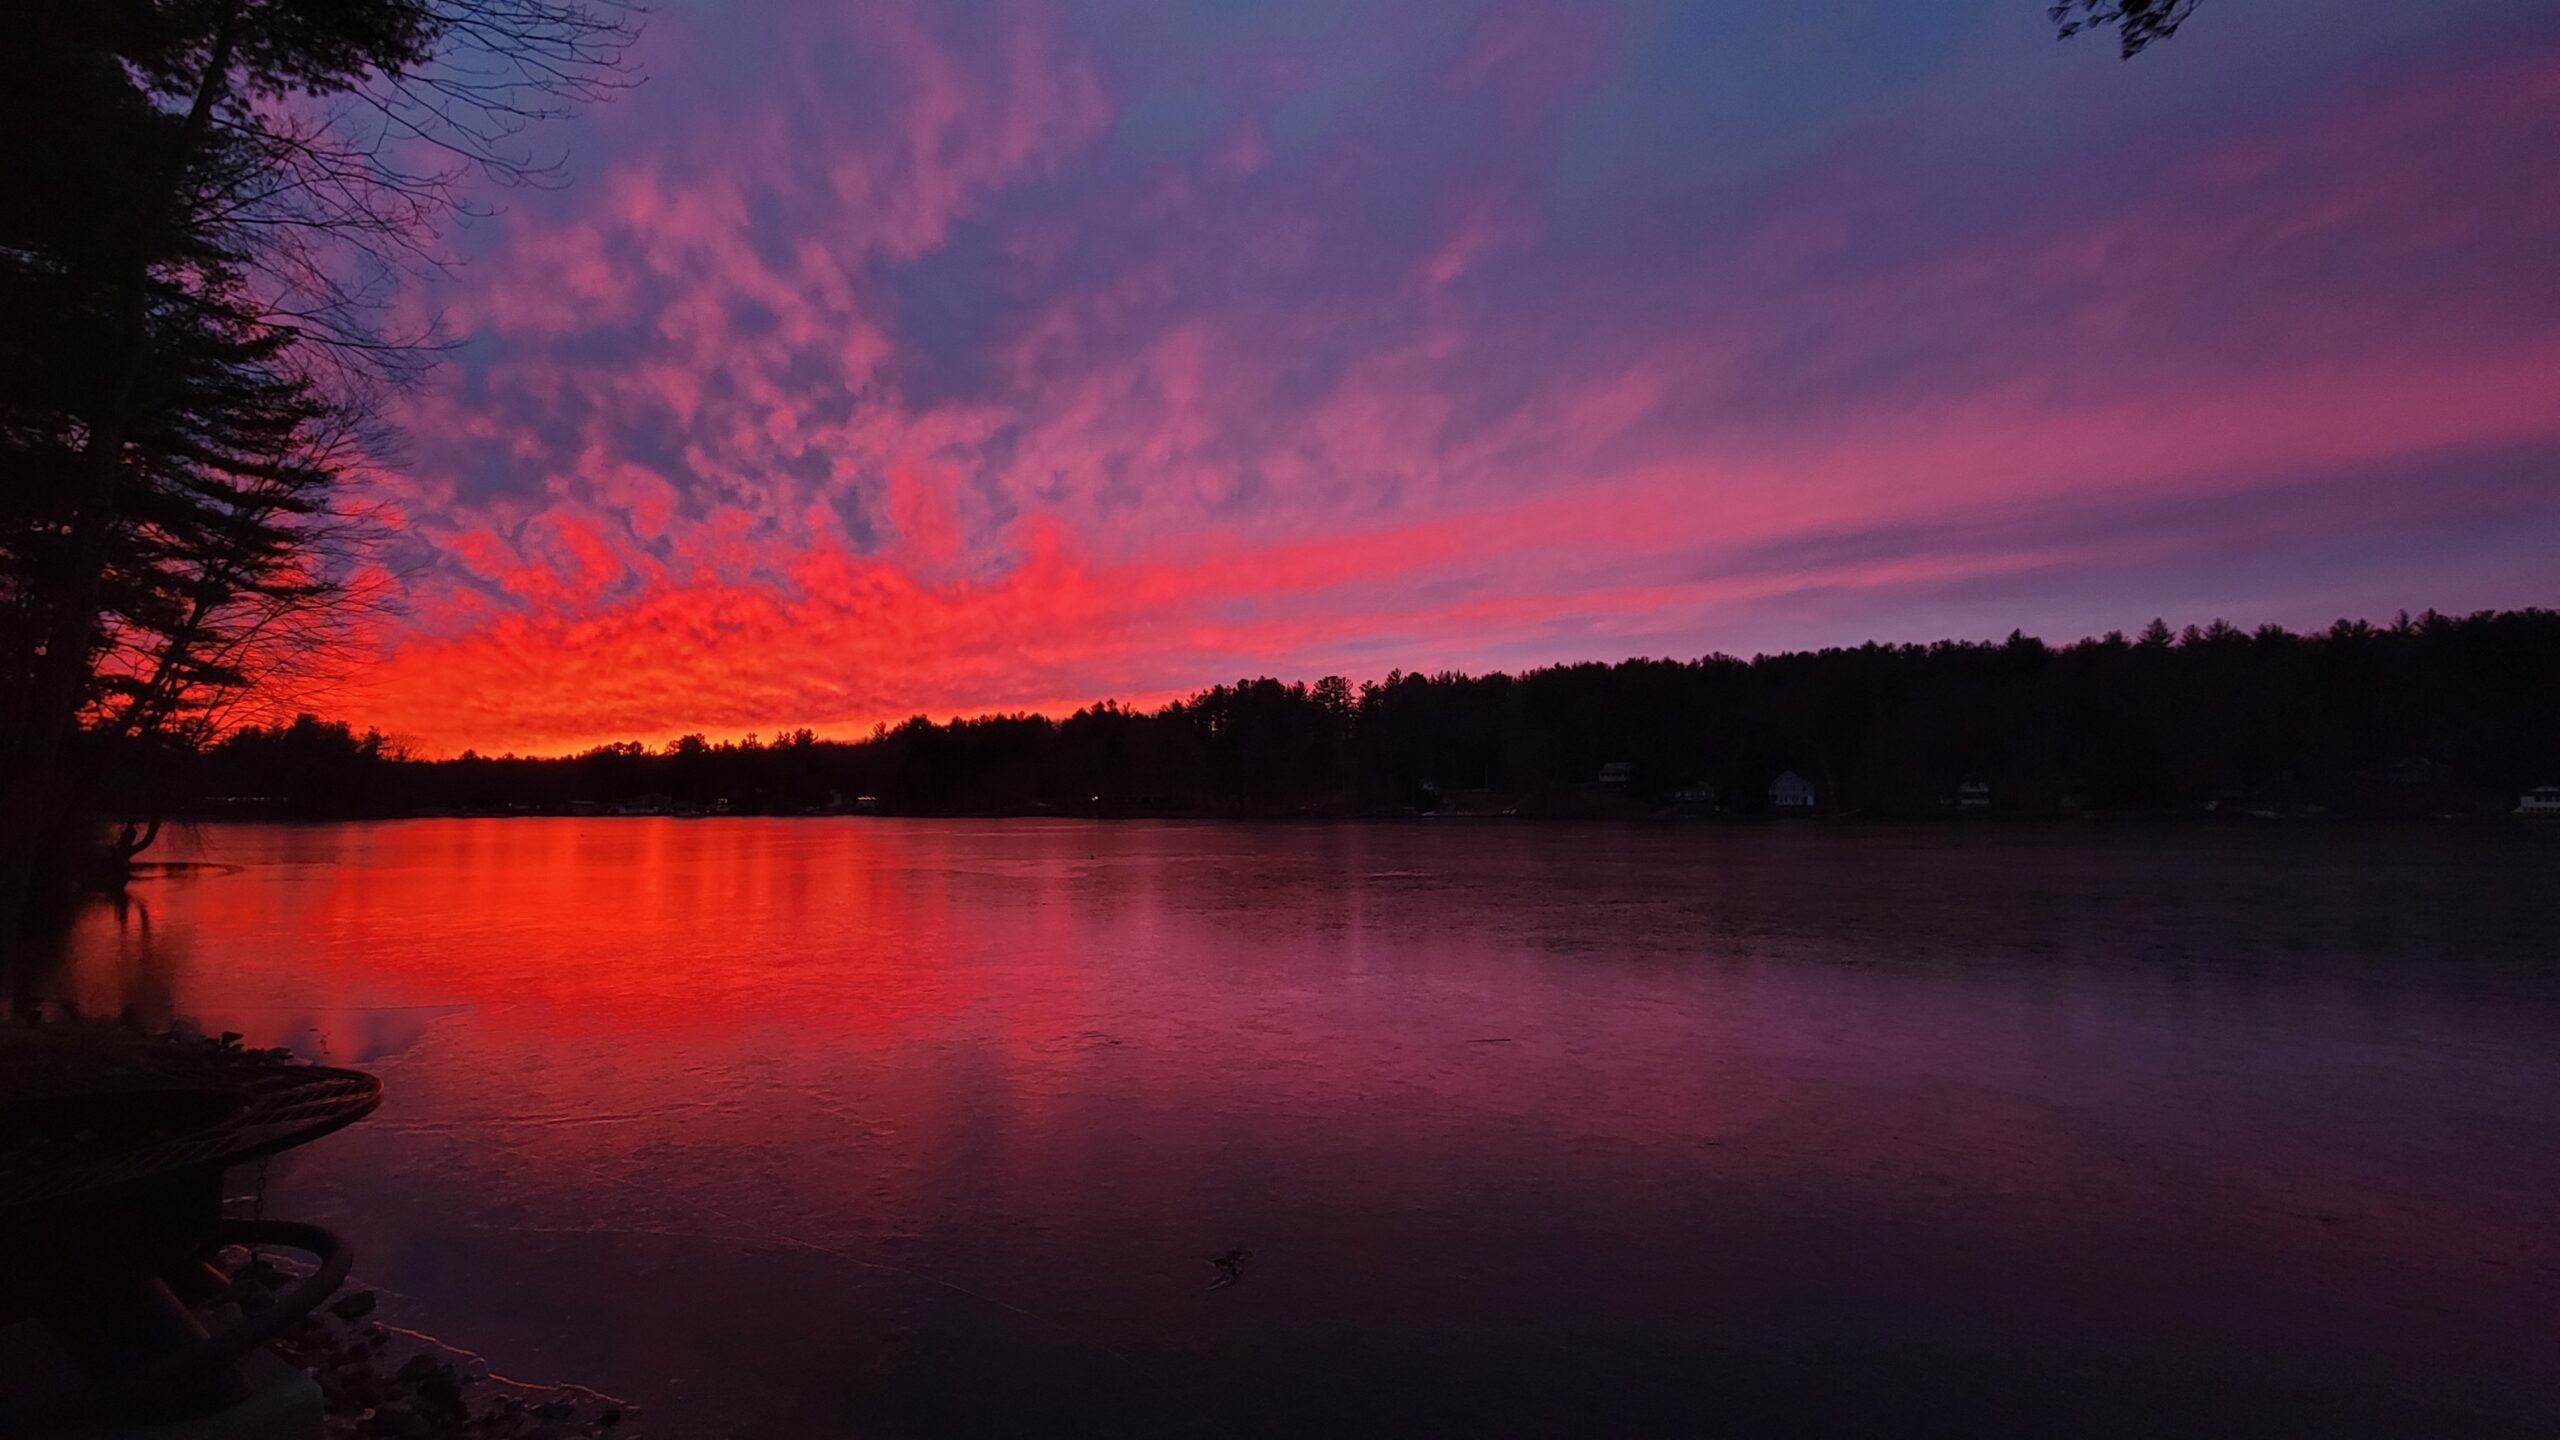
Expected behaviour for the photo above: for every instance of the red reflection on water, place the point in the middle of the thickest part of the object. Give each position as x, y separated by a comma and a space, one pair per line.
1509, 1094
634, 928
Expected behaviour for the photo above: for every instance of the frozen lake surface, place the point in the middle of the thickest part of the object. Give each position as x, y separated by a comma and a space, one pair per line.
878, 1127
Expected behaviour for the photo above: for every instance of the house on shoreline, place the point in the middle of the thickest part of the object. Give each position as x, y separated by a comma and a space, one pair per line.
1791, 794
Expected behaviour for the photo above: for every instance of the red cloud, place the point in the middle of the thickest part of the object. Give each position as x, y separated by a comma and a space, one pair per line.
800, 416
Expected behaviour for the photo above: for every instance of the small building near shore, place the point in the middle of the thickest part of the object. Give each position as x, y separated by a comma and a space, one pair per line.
1618, 772
1791, 792
1974, 795
2541, 802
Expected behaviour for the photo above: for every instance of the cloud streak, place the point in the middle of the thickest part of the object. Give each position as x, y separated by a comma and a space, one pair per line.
957, 358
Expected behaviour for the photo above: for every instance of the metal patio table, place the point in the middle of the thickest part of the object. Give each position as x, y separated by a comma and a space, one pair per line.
112, 1155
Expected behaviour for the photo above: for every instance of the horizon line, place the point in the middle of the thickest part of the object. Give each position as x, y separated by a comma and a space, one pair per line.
1155, 702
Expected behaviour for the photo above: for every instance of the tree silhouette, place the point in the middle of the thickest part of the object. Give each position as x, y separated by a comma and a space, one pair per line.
2137, 23
191, 284
2423, 716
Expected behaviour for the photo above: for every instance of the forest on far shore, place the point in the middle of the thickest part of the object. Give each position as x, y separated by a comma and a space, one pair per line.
2425, 716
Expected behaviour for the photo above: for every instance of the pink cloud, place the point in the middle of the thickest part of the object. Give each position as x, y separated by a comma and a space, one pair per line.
804, 411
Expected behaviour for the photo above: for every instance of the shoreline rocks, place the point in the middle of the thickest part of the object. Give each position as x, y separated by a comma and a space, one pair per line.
380, 1383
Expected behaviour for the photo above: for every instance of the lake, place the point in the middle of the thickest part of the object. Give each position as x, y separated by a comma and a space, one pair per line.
882, 1127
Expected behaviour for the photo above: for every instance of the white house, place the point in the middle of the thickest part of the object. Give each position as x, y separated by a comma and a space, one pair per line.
1617, 772
2541, 800
1791, 791
1974, 795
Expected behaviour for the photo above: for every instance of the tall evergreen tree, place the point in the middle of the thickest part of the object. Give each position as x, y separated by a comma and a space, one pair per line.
188, 265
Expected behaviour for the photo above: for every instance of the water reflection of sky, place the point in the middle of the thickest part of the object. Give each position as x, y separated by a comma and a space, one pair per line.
886, 1127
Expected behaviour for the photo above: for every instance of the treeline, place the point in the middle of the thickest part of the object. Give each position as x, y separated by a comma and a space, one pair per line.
2426, 715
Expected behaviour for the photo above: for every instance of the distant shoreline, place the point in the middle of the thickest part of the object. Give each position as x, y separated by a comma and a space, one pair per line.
1724, 820
2428, 716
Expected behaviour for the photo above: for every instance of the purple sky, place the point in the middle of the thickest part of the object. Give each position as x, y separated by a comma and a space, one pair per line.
957, 357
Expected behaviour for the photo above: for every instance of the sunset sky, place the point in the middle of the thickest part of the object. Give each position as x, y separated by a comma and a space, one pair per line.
949, 358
